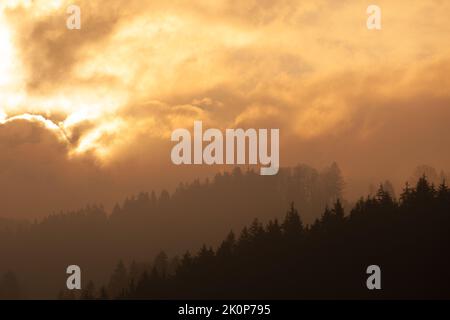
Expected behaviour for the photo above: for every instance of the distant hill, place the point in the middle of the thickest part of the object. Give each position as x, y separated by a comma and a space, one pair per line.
199, 212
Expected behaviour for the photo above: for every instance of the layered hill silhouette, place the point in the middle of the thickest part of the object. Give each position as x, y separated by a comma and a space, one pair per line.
39, 252
144, 248
408, 239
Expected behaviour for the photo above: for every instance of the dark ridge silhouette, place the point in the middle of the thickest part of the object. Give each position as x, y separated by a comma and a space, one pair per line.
409, 239
195, 213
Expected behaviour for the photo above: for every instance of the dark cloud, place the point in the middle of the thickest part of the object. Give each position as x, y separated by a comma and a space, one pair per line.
37, 175
50, 51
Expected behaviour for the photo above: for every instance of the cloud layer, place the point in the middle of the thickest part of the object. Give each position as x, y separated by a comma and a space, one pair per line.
98, 105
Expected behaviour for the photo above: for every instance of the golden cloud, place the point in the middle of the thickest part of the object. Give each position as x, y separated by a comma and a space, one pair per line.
139, 69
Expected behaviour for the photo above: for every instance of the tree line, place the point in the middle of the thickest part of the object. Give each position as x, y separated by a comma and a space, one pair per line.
201, 211
409, 238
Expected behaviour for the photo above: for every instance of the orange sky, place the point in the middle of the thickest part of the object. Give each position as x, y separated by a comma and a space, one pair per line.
86, 116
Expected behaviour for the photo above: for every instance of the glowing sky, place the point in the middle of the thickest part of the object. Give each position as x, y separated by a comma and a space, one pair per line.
99, 104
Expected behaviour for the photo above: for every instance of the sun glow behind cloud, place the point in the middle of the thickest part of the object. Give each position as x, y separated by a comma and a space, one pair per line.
96, 106
79, 100
74, 105
7, 54
10, 71
273, 63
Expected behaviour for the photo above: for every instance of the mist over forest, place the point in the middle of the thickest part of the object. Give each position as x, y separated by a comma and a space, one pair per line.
36, 253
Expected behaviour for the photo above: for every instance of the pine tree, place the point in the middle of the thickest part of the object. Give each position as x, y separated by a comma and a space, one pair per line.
256, 229
88, 293
227, 247
103, 293
292, 224
338, 210
118, 280
161, 263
